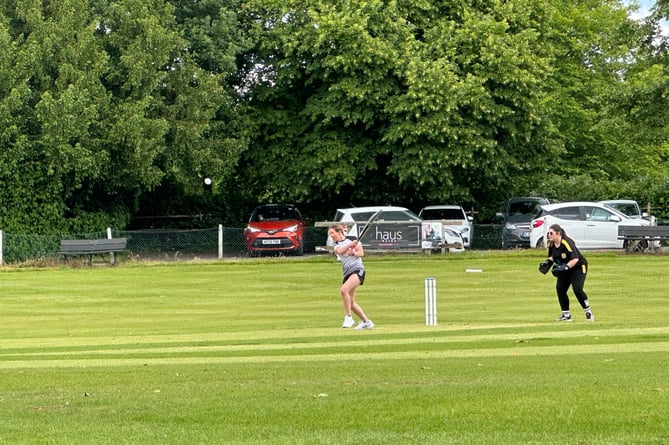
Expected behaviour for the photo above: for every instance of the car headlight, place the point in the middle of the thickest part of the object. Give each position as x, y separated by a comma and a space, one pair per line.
451, 232
292, 228
251, 229
510, 226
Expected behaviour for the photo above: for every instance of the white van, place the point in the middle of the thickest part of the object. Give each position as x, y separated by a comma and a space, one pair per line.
357, 217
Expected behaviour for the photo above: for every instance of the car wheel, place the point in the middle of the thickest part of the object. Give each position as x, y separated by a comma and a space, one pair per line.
541, 243
636, 245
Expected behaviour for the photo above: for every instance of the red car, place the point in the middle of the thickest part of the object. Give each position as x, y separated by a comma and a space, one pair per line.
275, 228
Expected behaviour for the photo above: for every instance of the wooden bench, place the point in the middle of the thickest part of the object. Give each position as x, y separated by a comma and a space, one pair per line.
442, 247
90, 247
640, 238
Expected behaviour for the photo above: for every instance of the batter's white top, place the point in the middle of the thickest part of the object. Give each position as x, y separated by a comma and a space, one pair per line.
349, 263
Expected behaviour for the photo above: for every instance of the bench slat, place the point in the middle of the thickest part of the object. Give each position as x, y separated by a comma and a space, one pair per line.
629, 232
93, 247
100, 245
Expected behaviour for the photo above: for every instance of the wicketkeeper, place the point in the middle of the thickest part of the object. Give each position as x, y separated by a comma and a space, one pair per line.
570, 268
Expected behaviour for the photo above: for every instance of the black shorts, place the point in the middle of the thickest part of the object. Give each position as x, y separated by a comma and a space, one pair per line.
360, 273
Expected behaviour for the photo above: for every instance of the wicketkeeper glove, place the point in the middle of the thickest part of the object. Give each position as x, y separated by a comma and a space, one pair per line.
560, 269
545, 266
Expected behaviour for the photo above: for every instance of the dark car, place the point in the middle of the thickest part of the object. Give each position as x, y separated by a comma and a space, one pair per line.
274, 228
517, 214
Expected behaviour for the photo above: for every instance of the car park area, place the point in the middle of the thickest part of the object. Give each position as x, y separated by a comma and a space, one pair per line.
590, 224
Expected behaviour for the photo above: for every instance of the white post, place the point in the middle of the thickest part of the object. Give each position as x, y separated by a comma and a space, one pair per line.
430, 301
220, 241
112, 255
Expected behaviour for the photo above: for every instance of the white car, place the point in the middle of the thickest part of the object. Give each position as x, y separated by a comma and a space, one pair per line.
353, 217
356, 218
452, 217
590, 224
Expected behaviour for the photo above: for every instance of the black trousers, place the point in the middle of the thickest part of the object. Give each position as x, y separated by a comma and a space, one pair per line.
576, 279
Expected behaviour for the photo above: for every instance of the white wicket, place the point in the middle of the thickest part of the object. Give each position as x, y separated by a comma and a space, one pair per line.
430, 301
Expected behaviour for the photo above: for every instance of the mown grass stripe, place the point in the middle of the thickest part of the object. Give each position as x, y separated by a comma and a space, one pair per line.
264, 340
198, 347
617, 348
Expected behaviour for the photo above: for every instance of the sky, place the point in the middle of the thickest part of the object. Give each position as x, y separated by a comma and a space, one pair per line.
645, 6
644, 10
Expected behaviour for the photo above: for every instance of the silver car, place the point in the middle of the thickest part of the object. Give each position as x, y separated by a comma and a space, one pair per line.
516, 215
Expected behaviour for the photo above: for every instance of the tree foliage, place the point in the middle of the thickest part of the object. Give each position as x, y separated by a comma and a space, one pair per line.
116, 108
423, 102
99, 103
389, 100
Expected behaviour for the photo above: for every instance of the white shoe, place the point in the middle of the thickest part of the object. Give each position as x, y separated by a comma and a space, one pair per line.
365, 325
348, 322
589, 316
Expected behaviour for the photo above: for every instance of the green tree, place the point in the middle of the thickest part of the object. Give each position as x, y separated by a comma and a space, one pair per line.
98, 102
418, 102
213, 40
644, 105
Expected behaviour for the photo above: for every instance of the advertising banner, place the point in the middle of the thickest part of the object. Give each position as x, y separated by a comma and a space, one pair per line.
392, 235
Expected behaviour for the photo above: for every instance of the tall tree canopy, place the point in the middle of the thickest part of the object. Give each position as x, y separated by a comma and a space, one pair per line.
416, 102
113, 108
385, 100
99, 101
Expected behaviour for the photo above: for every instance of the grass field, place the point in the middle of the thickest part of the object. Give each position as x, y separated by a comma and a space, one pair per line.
252, 352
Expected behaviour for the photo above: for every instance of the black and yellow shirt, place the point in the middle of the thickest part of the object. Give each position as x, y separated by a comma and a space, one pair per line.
565, 252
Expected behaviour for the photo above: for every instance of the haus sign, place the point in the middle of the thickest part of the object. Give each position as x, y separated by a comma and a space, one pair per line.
392, 235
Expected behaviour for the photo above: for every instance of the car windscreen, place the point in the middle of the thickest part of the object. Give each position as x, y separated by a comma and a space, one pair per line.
397, 215
628, 209
428, 214
523, 208
275, 214
362, 216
